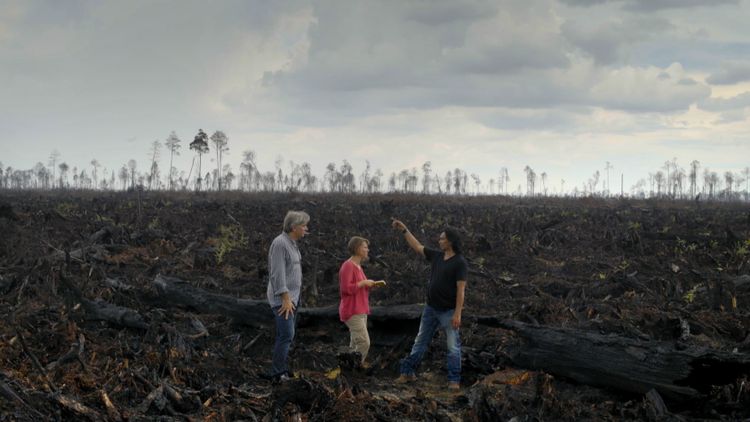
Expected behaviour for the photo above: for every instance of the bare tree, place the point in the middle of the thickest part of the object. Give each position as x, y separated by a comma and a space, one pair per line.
593, 182
347, 184
53, 158
95, 164
530, 180
132, 165
477, 182
249, 168
694, 166
426, 176
544, 183
154, 172
607, 168
729, 180
63, 174
364, 178
173, 146
659, 180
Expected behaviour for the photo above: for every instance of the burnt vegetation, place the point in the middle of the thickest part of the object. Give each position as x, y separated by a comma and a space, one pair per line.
149, 305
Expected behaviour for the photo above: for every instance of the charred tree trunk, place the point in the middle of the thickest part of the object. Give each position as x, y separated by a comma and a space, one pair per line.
254, 312
179, 292
622, 363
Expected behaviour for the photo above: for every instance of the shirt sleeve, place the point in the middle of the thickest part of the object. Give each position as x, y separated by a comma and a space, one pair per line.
347, 279
277, 269
429, 254
463, 270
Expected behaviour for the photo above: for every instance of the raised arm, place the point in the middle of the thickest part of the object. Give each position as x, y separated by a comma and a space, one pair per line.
410, 239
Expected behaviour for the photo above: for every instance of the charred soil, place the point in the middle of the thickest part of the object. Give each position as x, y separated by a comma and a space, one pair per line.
576, 309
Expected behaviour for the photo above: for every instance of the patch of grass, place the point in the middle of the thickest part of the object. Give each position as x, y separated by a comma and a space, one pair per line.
230, 238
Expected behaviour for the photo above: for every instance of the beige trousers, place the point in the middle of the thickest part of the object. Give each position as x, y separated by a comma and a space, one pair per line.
360, 339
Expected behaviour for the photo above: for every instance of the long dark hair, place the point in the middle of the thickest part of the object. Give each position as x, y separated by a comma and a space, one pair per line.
452, 235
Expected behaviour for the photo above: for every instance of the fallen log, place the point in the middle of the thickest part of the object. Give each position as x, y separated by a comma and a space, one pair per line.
99, 310
179, 292
77, 408
254, 312
117, 315
625, 364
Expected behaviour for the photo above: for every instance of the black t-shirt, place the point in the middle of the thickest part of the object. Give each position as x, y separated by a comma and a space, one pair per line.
441, 291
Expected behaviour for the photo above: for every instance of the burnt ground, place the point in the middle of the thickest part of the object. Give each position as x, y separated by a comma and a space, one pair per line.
672, 272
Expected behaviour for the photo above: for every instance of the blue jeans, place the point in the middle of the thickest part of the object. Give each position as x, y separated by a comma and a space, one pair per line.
284, 337
428, 324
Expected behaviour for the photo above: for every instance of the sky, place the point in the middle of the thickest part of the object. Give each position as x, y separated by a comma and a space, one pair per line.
561, 86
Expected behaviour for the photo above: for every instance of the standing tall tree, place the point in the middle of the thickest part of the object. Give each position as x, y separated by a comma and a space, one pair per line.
607, 168
477, 182
153, 175
530, 180
426, 176
200, 146
132, 165
248, 166
694, 166
220, 142
173, 146
53, 157
63, 174
729, 178
95, 164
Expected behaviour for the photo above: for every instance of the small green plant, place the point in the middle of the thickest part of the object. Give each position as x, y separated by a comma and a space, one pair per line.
743, 248
515, 240
154, 224
66, 209
634, 225
231, 237
689, 296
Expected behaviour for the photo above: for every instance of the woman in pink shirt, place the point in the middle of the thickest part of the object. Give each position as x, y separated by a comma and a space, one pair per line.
355, 291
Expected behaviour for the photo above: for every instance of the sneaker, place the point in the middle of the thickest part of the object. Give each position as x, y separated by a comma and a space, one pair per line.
282, 377
405, 378
453, 385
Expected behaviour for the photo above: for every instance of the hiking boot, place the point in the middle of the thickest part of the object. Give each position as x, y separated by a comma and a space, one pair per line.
454, 385
405, 378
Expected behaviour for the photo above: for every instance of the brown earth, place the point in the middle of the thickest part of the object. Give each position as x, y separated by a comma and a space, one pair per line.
666, 272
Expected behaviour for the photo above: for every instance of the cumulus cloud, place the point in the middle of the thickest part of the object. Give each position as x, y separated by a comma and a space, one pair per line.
731, 72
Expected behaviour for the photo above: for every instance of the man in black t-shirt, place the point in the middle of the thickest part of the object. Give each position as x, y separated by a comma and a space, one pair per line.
445, 301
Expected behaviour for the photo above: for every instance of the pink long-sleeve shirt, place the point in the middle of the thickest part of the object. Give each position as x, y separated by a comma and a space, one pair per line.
354, 300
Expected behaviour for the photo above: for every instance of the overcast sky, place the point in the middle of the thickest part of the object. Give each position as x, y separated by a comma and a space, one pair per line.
559, 85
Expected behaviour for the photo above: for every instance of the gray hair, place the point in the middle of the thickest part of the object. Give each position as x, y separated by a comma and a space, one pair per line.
295, 218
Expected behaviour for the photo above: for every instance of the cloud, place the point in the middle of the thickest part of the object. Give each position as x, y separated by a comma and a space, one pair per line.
650, 5
731, 72
725, 104
609, 41
649, 90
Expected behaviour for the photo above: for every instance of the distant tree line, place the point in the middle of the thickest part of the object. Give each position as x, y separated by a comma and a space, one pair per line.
669, 181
